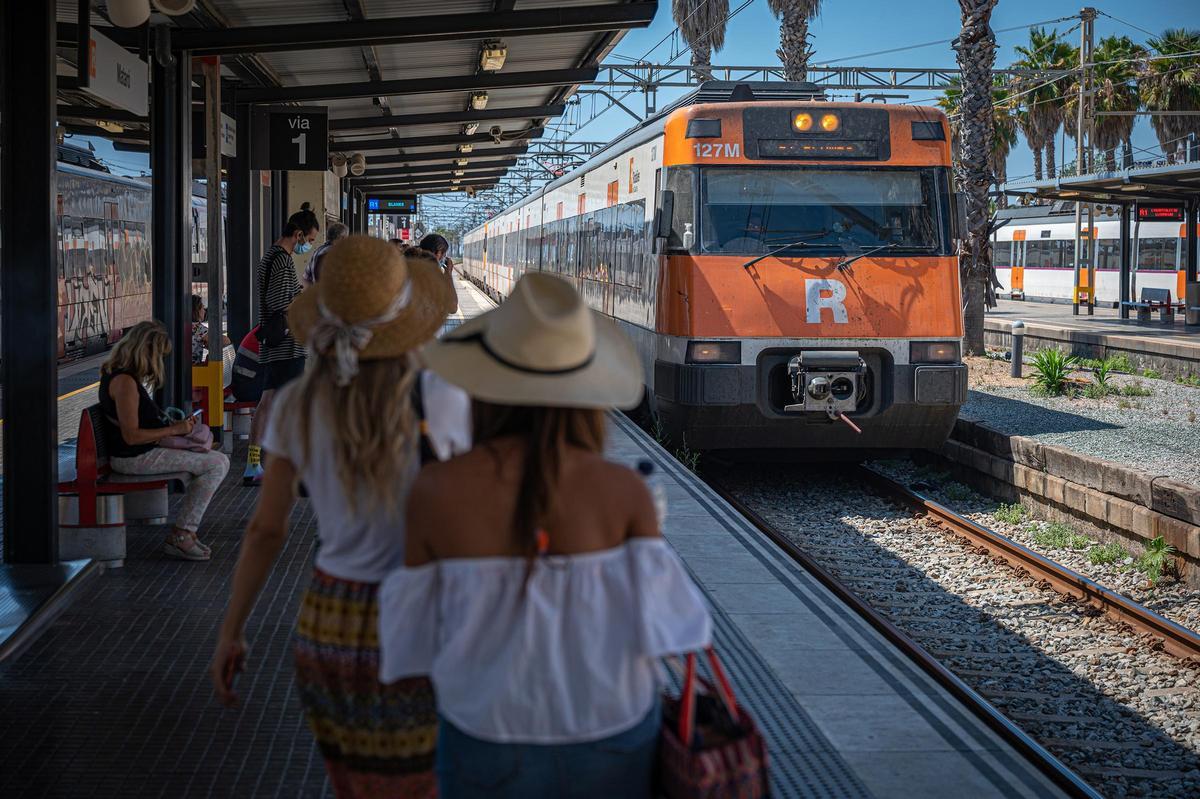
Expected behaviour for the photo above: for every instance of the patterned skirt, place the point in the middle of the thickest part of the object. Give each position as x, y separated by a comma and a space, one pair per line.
377, 740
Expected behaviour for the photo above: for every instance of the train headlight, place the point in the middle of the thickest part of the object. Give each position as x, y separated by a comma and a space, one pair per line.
830, 123
714, 352
802, 122
933, 352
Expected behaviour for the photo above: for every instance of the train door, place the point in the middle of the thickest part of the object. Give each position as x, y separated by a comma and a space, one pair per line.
1017, 279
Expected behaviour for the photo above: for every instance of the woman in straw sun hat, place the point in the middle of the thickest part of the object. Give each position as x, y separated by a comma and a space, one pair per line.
349, 430
541, 606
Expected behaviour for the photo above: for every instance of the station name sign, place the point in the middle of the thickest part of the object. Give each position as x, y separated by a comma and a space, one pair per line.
117, 76
1159, 213
391, 204
290, 139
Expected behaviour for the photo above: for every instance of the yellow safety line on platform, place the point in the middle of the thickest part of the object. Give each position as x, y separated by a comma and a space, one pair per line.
70, 394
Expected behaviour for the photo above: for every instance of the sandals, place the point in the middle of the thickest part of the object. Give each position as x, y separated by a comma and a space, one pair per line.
185, 546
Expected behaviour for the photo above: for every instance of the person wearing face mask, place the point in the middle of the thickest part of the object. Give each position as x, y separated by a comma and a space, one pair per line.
283, 360
436, 247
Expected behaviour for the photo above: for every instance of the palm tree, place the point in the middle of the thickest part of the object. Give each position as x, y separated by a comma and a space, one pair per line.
1114, 76
975, 49
794, 52
1173, 84
702, 23
1004, 123
1044, 99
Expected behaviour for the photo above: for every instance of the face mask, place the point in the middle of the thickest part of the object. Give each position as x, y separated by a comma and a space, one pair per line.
304, 246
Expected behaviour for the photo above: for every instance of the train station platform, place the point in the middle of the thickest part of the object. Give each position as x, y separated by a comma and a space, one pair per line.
1170, 348
114, 699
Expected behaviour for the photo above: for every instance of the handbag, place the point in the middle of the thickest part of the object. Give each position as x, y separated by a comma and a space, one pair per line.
199, 440
273, 327
709, 748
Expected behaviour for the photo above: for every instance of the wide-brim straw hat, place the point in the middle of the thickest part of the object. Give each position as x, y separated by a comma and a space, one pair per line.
542, 347
360, 277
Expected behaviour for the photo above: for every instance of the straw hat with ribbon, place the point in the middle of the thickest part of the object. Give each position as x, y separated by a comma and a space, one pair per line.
543, 346
371, 303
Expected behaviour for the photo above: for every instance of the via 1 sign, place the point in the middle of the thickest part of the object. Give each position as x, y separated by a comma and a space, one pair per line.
290, 139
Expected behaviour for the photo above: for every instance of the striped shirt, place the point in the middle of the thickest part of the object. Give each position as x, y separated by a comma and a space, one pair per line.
281, 289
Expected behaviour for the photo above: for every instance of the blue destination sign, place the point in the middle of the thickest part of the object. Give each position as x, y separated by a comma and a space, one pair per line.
396, 204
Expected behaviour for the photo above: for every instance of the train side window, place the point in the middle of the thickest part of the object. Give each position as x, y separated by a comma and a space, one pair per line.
681, 182
1002, 254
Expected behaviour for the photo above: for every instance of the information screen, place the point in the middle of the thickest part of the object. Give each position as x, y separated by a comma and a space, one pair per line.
1160, 213
817, 148
391, 205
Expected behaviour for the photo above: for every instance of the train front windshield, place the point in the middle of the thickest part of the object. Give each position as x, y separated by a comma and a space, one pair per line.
753, 211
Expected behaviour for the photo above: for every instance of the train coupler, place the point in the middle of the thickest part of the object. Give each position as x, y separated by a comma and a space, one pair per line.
829, 381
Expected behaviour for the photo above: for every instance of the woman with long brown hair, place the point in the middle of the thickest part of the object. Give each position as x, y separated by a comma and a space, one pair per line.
537, 592
138, 426
349, 429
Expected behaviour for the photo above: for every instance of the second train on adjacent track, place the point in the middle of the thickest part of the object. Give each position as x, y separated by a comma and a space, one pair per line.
785, 265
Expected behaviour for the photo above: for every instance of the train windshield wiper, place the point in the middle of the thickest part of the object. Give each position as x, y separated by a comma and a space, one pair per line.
801, 242
845, 262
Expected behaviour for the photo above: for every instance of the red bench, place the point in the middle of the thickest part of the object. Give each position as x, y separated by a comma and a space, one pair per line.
95, 526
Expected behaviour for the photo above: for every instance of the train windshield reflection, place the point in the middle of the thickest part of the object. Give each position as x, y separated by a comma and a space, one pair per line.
755, 211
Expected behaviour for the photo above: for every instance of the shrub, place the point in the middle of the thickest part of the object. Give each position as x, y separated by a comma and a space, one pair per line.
1120, 362
1136, 389
1097, 391
1157, 560
1011, 514
957, 492
1106, 553
1153, 374
1057, 535
1190, 380
1053, 368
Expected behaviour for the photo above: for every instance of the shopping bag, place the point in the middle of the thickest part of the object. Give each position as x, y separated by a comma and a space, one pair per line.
709, 748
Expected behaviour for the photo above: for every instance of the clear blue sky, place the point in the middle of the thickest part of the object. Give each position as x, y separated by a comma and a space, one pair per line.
845, 30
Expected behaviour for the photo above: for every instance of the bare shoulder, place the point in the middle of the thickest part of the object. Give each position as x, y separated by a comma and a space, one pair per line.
623, 488
121, 384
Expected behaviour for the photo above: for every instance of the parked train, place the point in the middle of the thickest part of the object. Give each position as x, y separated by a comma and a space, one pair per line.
1034, 253
785, 265
104, 234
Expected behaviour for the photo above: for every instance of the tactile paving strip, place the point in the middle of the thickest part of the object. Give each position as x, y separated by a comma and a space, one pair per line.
114, 699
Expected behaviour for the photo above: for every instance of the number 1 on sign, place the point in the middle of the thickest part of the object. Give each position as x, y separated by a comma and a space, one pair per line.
301, 141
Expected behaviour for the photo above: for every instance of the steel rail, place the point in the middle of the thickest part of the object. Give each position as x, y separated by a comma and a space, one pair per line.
1048, 764
1177, 639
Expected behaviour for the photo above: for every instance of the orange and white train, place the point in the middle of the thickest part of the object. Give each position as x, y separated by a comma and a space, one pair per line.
785, 265
1034, 253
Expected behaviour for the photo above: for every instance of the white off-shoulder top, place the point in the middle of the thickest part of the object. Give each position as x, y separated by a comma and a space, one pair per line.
572, 657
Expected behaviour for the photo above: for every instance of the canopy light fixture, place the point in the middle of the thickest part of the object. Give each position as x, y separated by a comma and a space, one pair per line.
491, 59
337, 165
458, 173
128, 13
479, 101
470, 128
461, 162
358, 164
466, 148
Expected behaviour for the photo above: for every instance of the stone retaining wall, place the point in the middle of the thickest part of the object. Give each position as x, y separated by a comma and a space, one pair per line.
1118, 500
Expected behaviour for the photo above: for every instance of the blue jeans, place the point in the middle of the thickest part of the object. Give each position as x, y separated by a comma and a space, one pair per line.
619, 766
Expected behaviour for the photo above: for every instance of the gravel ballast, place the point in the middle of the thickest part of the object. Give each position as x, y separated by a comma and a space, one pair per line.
1125, 716
1158, 433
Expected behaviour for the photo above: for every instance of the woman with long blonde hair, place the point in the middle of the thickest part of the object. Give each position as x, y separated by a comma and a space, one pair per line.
352, 429
138, 425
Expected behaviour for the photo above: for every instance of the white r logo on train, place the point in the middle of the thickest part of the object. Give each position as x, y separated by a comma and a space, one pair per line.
820, 293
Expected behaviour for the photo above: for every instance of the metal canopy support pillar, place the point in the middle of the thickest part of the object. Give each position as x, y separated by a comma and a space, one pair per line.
1126, 254
170, 150
28, 291
277, 205
1191, 222
211, 68
238, 231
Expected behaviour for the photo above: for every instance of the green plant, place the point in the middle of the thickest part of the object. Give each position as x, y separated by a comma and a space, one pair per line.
1104, 554
1124, 404
1136, 389
1153, 374
1190, 380
1011, 514
1053, 368
1101, 371
1057, 535
1157, 560
687, 456
957, 492
1097, 391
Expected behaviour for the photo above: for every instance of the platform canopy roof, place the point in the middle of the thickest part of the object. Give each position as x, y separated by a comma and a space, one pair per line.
398, 76
1171, 183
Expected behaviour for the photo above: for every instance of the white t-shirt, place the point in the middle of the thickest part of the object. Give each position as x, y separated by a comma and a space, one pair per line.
367, 546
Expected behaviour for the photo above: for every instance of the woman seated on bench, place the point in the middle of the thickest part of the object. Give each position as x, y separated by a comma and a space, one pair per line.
138, 425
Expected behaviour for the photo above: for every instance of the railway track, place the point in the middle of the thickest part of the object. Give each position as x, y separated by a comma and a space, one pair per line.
1029, 644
